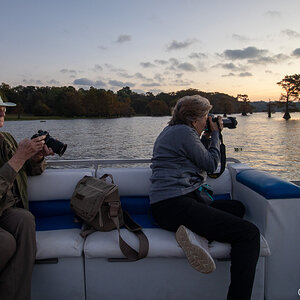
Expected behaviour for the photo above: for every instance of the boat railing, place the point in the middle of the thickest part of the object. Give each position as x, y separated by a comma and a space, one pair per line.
99, 163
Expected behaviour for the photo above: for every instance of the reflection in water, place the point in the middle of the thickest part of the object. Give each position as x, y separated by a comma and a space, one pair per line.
270, 144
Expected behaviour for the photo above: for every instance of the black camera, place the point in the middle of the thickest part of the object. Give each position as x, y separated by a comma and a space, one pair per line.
229, 122
57, 146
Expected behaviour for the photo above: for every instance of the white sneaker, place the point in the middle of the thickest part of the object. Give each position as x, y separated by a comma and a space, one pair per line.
196, 250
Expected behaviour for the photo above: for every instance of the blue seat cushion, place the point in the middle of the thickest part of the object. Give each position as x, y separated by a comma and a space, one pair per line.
57, 214
267, 185
52, 215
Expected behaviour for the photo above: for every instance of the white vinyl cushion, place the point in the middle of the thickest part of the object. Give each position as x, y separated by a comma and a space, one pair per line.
54, 184
59, 243
162, 243
136, 181
131, 181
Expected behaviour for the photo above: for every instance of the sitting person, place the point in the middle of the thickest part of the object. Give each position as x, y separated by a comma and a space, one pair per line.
182, 155
17, 225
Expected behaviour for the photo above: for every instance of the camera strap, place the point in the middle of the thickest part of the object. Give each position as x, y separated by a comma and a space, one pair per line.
223, 158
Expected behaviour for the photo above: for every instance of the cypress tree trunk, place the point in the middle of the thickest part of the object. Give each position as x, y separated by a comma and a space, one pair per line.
287, 114
269, 110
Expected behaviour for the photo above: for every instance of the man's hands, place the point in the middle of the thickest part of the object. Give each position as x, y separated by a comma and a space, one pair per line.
35, 149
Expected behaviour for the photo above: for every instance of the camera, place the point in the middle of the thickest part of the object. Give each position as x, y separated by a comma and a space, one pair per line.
57, 146
229, 122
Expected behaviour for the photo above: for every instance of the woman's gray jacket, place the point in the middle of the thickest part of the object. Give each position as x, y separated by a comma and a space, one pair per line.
180, 161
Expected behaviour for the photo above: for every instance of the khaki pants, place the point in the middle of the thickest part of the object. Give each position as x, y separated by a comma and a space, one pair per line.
17, 253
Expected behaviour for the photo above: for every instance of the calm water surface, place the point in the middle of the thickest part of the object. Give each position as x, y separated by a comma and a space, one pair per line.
270, 144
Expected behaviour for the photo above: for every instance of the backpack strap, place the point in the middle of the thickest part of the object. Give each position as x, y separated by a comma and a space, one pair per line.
128, 251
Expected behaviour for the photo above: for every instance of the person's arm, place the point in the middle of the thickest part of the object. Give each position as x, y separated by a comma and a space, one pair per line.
7, 177
194, 149
31, 153
26, 150
36, 165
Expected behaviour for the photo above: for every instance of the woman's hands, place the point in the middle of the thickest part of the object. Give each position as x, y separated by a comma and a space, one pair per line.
214, 125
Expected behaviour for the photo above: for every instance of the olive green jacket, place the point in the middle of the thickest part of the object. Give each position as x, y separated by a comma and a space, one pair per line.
13, 185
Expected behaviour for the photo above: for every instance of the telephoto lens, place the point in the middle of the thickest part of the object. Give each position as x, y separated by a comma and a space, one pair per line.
229, 122
57, 146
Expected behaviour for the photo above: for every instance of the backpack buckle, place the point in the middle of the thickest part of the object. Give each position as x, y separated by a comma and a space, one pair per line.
114, 208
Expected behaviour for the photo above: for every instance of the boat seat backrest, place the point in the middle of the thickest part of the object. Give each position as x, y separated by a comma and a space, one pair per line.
136, 181
55, 184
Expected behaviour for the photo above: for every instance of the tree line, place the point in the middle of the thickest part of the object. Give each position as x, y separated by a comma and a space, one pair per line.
70, 102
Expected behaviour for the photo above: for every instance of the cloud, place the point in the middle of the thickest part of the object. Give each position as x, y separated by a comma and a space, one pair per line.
273, 13
269, 59
246, 53
229, 75
296, 52
268, 72
140, 76
137, 75
53, 82
161, 62
240, 38
88, 82
159, 77
147, 65
179, 82
291, 33
174, 61
174, 45
114, 69
198, 55
245, 74
187, 67
118, 83
32, 82
152, 84
66, 71
97, 68
123, 38
230, 66
125, 75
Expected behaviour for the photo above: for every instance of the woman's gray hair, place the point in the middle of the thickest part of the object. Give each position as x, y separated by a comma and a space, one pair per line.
189, 109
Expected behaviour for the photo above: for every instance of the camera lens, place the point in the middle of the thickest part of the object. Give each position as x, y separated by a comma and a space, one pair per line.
57, 146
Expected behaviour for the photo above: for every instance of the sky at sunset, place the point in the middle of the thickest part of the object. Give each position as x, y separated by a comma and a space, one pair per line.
232, 47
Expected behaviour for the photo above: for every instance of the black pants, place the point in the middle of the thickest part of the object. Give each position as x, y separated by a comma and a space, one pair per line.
219, 221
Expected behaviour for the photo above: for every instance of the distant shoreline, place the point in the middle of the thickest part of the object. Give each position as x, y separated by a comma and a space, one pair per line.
14, 117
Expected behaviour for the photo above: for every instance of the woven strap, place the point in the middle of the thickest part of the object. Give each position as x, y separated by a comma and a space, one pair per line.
223, 159
128, 251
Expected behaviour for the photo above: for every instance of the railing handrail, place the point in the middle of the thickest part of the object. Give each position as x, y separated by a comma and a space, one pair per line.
97, 161
109, 161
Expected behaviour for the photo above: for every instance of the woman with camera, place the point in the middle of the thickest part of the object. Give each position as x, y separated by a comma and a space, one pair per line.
182, 155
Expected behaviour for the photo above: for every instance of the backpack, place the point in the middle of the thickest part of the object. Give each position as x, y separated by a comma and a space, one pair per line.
97, 203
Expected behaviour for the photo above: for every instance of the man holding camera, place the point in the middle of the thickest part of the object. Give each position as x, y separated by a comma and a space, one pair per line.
17, 225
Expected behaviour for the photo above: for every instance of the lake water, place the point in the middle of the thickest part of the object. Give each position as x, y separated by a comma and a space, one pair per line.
270, 144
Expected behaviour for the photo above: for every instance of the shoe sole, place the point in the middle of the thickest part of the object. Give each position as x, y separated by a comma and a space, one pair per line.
197, 257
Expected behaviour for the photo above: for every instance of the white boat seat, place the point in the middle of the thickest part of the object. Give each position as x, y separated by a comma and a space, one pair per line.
162, 243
